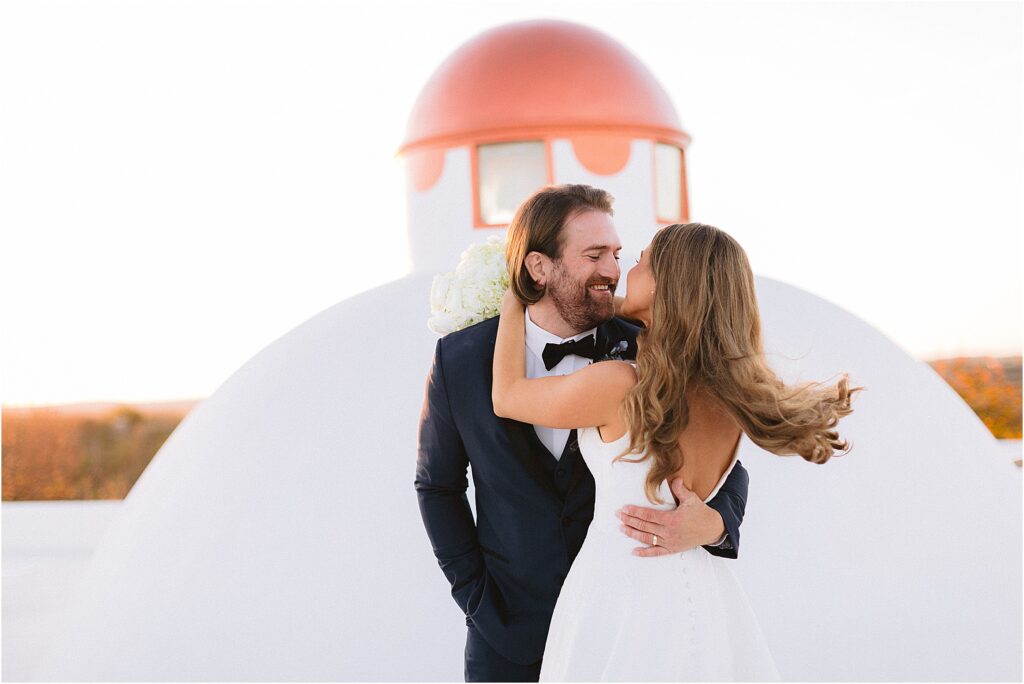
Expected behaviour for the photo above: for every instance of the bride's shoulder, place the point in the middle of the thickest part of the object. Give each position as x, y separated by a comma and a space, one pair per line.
627, 367
620, 372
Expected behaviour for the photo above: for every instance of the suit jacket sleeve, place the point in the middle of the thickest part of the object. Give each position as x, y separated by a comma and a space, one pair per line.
441, 483
731, 502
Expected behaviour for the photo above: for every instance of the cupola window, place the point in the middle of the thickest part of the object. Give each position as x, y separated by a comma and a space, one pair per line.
668, 182
508, 173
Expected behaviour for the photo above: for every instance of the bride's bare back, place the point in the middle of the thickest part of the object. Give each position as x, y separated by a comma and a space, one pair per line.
708, 442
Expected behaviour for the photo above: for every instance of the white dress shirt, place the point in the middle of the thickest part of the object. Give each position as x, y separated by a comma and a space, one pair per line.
536, 338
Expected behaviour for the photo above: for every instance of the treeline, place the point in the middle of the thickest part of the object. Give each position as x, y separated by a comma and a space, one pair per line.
99, 452
991, 386
56, 453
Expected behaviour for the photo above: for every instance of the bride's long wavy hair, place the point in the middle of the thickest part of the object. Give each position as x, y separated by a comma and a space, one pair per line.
705, 332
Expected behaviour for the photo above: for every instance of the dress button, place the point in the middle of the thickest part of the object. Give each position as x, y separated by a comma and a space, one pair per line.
566, 522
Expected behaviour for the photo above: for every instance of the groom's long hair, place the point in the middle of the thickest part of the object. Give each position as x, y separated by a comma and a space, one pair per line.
705, 333
537, 227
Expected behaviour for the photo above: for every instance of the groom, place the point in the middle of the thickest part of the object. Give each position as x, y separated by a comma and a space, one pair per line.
534, 493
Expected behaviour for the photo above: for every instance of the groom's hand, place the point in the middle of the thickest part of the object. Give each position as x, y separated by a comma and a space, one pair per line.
693, 523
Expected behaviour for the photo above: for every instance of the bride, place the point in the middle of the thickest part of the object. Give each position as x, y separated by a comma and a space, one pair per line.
700, 385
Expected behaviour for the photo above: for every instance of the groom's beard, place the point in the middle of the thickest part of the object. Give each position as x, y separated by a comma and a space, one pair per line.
576, 304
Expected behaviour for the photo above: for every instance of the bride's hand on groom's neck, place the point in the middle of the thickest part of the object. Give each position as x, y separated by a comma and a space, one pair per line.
510, 303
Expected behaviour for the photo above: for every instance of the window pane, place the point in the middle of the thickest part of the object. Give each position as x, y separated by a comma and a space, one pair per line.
668, 169
509, 173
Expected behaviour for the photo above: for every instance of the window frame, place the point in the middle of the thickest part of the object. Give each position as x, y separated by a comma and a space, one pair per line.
684, 206
474, 171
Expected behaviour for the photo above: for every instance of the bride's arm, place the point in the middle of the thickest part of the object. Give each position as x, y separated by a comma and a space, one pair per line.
588, 397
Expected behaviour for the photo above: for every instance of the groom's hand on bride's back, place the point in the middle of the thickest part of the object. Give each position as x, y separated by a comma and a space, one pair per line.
691, 524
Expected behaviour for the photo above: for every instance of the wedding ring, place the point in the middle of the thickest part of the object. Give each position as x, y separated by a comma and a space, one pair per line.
655, 540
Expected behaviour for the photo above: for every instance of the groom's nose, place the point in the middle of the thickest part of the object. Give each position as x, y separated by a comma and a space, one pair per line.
608, 267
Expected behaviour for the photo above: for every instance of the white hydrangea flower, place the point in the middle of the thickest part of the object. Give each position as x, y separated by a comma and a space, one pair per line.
472, 292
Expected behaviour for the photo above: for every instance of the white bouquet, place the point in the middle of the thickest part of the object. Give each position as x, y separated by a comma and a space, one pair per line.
473, 291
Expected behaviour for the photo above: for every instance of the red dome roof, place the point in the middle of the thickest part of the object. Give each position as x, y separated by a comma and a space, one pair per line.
537, 78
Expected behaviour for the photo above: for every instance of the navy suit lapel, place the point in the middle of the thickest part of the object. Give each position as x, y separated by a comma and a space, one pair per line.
613, 342
530, 452
603, 341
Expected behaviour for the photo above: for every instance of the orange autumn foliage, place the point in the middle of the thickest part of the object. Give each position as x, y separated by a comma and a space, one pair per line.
990, 386
53, 453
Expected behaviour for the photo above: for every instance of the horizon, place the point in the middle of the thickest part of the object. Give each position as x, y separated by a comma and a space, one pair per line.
155, 403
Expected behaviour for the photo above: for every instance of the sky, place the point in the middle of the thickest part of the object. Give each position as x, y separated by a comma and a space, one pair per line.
182, 183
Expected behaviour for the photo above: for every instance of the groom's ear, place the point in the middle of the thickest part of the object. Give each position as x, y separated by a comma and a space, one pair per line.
539, 267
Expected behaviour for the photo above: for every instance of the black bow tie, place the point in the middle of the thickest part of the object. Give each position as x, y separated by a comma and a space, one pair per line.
553, 353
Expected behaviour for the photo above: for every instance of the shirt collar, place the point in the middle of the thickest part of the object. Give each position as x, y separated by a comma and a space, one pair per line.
537, 337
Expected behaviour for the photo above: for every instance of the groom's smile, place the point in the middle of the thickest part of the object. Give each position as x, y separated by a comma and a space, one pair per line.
602, 291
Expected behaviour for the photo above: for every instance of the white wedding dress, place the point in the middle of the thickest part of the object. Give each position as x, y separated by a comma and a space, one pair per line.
620, 617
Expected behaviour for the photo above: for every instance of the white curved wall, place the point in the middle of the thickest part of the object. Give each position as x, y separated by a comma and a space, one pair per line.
276, 535
440, 220
900, 560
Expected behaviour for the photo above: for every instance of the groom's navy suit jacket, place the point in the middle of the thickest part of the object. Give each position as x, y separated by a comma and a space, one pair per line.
533, 511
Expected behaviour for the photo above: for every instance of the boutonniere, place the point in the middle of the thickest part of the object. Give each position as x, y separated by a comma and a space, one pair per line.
616, 351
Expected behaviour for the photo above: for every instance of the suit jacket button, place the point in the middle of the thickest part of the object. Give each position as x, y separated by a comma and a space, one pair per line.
560, 472
566, 522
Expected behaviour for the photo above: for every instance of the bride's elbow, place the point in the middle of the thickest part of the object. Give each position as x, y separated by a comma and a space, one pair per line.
498, 405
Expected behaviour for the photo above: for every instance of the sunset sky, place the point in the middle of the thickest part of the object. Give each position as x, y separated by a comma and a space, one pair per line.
181, 183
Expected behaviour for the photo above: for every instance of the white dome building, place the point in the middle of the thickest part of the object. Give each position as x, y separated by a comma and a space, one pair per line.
276, 535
